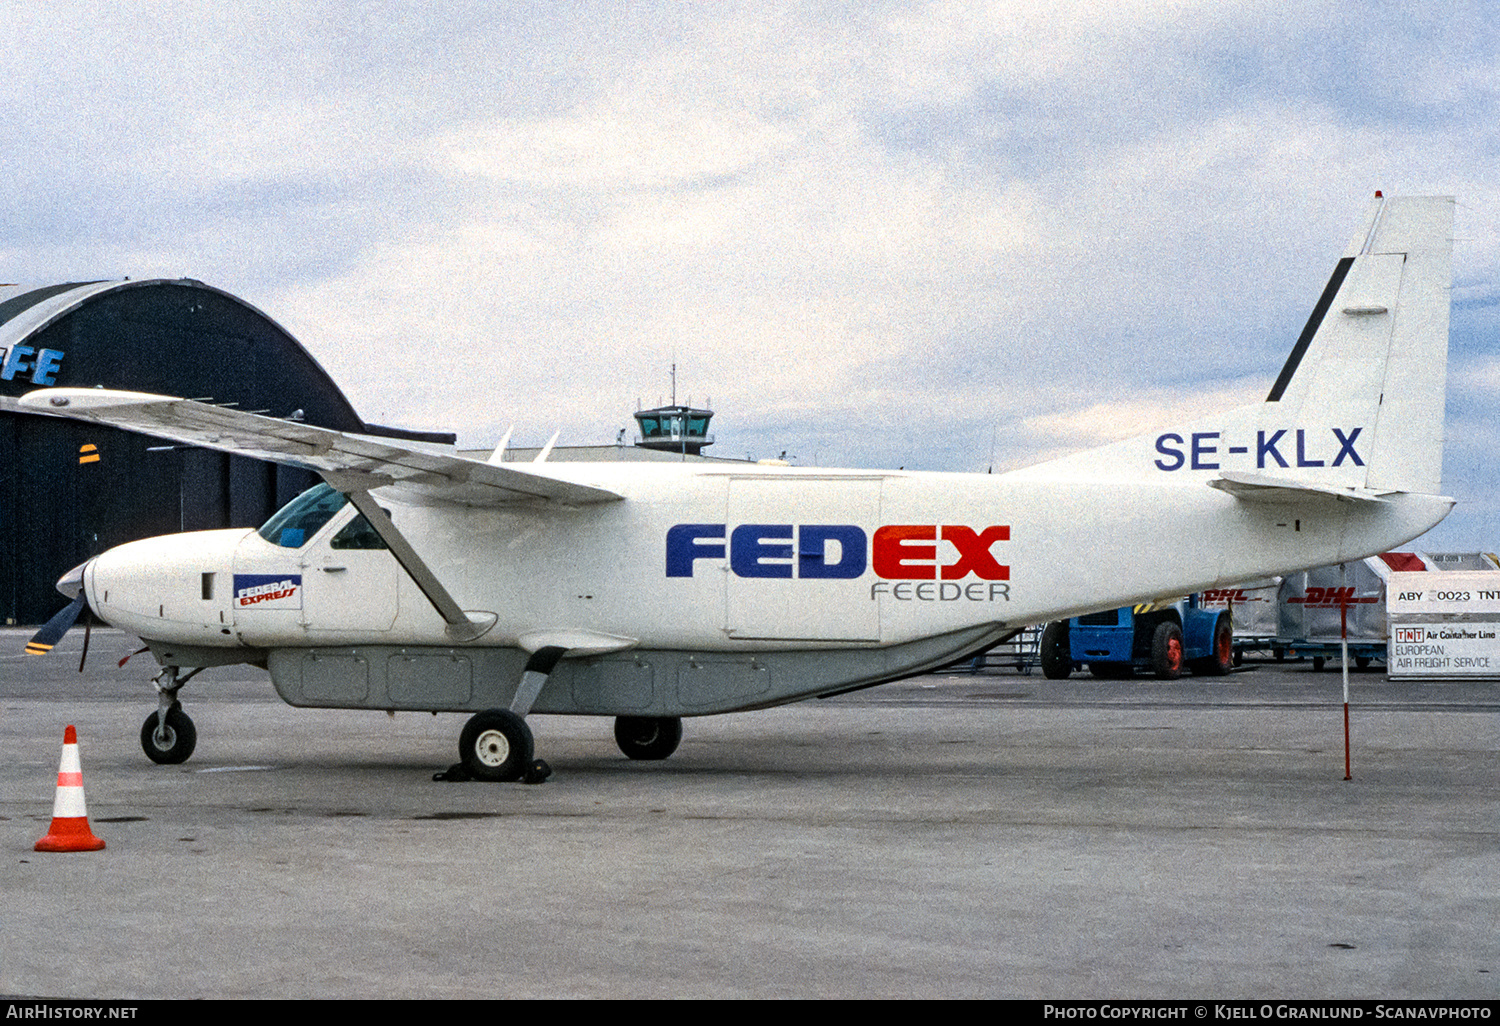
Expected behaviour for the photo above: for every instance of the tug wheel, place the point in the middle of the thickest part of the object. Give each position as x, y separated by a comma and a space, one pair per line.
1166, 650
1053, 654
1224, 657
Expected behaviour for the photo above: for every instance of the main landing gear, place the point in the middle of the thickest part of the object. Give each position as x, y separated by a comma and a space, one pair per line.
497, 744
168, 736
648, 737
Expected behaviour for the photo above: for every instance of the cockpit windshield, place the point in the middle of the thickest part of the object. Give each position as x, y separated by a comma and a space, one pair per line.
301, 518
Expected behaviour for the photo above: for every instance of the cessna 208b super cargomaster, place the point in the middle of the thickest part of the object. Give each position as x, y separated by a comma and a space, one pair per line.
417, 579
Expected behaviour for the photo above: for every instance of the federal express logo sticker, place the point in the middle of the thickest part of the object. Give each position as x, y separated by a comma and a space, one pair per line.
268, 591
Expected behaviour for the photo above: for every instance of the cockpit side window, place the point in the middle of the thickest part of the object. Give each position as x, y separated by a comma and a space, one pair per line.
358, 534
301, 518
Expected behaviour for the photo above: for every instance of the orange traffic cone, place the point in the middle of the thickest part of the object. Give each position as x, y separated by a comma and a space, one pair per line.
70, 820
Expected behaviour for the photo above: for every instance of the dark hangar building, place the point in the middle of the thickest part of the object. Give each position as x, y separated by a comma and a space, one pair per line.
72, 490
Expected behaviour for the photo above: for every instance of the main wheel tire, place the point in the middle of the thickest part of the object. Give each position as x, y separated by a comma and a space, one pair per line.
1053, 654
175, 741
648, 738
1224, 657
496, 745
1318, 663
1166, 650
1362, 662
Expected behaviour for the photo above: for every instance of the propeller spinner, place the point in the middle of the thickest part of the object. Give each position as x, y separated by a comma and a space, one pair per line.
70, 584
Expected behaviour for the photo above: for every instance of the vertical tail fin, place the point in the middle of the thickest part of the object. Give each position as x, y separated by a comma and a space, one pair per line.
1374, 353
1358, 406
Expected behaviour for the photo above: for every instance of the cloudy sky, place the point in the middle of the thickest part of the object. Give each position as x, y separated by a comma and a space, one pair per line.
942, 236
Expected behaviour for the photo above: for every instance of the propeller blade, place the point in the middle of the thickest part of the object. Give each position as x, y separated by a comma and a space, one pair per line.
88, 630
52, 631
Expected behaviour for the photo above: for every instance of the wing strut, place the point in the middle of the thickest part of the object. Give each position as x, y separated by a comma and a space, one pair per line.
461, 626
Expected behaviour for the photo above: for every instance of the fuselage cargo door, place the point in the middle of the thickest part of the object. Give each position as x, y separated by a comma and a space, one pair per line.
798, 558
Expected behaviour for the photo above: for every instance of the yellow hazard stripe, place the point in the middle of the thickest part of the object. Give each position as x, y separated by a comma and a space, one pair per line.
37, 648
88, 453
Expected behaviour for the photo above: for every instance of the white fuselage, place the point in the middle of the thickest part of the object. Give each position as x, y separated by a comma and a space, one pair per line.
752, 559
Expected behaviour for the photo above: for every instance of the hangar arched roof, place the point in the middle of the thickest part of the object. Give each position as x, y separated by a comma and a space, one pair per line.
168, 336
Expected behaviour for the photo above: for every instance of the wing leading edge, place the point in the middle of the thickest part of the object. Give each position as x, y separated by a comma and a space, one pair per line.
347, 461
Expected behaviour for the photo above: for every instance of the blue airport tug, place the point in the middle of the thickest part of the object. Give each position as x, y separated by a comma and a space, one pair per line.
1162, 637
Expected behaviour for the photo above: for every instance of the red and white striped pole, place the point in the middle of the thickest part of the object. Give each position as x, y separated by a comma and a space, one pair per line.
1344, 645
70, 819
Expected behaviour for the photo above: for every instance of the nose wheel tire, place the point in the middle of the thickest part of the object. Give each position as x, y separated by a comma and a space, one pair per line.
648, 738
496, 745
172, 742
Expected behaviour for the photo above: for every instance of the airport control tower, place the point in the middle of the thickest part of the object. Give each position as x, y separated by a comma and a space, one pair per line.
674, 428
681, 429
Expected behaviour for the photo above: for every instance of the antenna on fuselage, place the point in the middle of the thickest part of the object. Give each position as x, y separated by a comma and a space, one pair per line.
499, 453
541, 457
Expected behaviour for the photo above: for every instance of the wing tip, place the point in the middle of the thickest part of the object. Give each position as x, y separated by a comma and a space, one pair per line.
78, 400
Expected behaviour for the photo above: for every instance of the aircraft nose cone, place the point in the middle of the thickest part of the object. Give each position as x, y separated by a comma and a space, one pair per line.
165, 588
71, 583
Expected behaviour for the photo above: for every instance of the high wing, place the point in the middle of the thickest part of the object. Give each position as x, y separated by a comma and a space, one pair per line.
422, 474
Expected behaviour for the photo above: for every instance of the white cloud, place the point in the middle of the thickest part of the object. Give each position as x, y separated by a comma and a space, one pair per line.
615, 151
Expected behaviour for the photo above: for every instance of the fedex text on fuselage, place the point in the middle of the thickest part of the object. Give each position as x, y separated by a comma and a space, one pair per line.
894, 552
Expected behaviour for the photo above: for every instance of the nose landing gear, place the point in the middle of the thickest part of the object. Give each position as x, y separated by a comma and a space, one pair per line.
168, 736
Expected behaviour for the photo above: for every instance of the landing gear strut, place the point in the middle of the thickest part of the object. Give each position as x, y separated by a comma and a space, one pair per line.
168, 736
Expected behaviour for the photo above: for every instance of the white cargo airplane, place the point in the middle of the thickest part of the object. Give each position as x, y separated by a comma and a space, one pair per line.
418, 579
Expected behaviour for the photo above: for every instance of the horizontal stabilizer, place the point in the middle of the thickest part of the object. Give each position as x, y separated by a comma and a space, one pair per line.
1283, 490
424, 474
